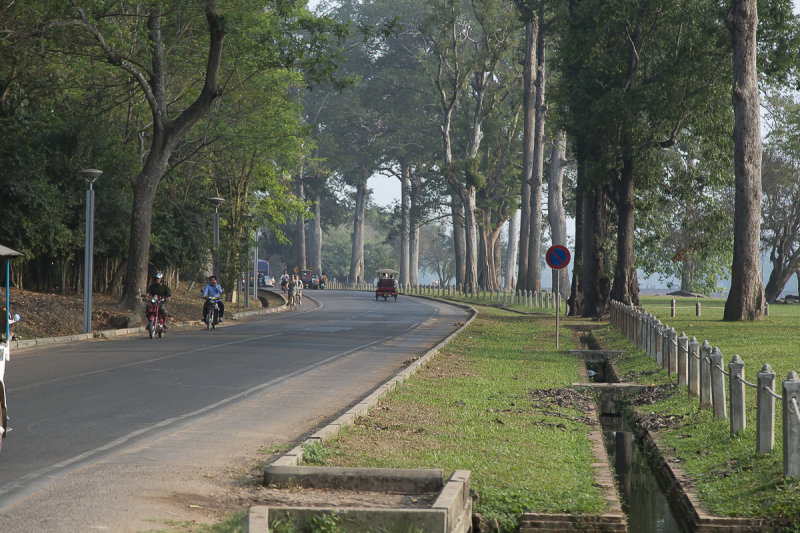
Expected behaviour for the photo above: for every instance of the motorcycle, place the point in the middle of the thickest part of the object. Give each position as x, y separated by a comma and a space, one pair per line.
211, 312
5, 355
156, 324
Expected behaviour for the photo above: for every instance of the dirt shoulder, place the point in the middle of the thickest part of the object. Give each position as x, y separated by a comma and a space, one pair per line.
55, 315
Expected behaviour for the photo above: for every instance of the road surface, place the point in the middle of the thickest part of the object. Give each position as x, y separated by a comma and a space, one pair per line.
124, 434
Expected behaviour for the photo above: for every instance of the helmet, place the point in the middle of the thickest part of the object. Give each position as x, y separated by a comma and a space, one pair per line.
158, 275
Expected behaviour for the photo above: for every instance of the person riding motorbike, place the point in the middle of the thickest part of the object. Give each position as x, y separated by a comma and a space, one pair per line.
284, 280
212, 289
159, 288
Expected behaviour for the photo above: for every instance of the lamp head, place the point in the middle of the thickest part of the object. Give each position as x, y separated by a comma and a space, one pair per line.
216, 201
90, 174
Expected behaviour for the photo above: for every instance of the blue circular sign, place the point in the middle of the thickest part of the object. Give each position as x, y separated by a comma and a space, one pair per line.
557, 256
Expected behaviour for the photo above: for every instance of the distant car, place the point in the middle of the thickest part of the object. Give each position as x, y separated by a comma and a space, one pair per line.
310, 279
269, 281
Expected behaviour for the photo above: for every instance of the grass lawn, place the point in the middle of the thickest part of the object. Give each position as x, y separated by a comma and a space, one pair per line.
731, 479
496, 401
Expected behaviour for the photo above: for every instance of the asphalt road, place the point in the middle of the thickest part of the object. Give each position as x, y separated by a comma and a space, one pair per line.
108, 433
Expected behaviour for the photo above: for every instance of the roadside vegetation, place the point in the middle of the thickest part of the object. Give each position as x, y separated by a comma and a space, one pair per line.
730, 478
496, 401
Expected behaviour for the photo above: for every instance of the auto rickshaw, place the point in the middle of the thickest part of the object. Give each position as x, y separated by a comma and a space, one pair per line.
387, 284
6, 254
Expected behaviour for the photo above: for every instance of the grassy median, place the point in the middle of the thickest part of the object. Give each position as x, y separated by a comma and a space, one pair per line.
731, 479
496, 401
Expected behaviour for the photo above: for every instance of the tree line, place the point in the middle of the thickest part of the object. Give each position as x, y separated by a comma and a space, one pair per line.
637, 118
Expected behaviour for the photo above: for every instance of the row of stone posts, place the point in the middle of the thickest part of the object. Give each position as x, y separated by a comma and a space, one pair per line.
700, 368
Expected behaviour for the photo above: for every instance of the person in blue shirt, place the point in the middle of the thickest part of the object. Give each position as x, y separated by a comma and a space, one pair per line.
211, 289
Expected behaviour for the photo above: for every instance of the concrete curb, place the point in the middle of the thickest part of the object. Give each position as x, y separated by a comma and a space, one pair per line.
452, 510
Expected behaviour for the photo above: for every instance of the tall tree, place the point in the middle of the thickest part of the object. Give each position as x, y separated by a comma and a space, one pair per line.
746, 298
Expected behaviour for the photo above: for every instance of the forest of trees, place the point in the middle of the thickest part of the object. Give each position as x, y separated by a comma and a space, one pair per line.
637, 119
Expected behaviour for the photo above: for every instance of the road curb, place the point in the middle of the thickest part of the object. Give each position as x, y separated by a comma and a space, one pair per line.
258, 516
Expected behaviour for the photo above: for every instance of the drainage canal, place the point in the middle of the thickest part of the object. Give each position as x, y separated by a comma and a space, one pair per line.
643, 501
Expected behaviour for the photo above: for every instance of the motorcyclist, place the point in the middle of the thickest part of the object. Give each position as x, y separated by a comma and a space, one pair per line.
212, 289
162, 290
284, 280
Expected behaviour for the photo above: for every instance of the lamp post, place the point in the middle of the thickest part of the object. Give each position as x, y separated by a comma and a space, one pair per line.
90, 175
216, 202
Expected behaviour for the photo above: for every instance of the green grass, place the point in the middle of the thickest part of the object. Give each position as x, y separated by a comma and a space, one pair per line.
731, 479
475, 407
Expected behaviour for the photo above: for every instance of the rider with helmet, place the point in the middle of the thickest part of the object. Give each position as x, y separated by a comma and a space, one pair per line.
211, 289
159, 288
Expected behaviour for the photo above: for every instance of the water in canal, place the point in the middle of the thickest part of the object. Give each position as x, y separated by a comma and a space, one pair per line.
643, 501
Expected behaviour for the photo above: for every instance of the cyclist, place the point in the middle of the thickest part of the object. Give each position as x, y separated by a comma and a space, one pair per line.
159, 288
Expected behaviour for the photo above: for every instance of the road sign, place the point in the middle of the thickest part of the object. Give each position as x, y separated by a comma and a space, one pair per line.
557, 257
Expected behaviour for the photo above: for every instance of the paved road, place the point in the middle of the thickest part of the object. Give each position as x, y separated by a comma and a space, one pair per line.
113, 434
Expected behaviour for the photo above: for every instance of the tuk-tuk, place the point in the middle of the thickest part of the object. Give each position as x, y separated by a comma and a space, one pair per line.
387, 284
6, 254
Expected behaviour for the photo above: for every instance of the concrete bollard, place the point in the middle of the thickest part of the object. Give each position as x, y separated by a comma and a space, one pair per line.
505, 297
665, 348
693, 374
672, 362
705, 375
766, 308
718, 386
697, 308
791, 426
736, 384
659, 331
672, 308
765, 418
683, 358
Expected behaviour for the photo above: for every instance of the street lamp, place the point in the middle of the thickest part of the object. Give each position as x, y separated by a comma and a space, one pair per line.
216, 202
90, 175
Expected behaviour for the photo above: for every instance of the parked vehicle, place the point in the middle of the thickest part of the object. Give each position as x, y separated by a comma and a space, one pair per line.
156, 324
310, 279
211, 312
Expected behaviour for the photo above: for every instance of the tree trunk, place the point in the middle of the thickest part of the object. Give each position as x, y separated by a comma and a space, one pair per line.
626, 284
746, 299
357, 254
575, 301
300, 229
413, 248
511, 250
596, 283
471, 235
528, 136
316, 237
165, 136
778, 278
555, 209
405, 226
534, 279
687, 273
459, 239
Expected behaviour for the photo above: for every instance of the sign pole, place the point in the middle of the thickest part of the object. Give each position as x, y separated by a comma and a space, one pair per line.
558, 306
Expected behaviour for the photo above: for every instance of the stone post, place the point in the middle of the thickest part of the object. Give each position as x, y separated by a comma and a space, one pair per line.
646, 346
765, 421
659, 350
705, 376
718, 386
673, 352
683, 358
697, 308
736, 384
672, 308
694, 368
505, 297
665, 347
766, 308
791, 426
